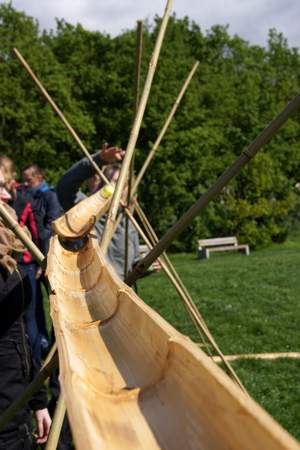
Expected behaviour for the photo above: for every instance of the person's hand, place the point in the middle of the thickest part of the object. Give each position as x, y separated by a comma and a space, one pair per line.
111, 154
43, 423
156, 266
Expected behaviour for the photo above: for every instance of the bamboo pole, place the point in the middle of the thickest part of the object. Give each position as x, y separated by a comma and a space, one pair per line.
20, 233
154, 239
164, 128
262, 139
50, 355
259, 356
138, 64
185, 297
60, 114
49, 366
107, 233
57, 424
190, 303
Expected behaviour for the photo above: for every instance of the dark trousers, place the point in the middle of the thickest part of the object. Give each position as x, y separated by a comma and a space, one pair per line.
15, 375
30, 314
18, 439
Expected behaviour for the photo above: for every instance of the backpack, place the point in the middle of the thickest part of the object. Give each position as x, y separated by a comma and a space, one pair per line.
23, 204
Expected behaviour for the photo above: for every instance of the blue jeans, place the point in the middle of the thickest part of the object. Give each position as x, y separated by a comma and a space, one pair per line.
30, 314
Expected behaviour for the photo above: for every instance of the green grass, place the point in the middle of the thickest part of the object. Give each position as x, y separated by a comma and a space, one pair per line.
251, 305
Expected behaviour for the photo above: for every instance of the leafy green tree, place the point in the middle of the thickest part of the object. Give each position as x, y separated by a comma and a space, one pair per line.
237, 90
29, 131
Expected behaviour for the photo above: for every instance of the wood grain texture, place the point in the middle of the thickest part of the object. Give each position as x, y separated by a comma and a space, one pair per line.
130, 380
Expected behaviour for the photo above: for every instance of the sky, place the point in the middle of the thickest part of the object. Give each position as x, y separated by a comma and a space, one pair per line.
250, 19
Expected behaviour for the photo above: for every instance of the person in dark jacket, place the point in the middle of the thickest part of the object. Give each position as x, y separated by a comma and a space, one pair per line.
17, 366
45, 208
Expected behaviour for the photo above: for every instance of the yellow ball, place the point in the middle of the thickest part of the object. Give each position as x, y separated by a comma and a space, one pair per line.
107, 191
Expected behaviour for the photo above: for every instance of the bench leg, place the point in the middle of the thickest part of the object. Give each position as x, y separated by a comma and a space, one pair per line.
203, 253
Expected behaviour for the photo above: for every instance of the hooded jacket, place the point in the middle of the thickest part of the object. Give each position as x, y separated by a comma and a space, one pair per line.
37, 208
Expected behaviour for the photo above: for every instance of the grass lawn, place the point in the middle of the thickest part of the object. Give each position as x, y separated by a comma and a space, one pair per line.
251, 305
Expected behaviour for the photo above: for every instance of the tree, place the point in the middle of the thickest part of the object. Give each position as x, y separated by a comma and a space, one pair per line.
237, 90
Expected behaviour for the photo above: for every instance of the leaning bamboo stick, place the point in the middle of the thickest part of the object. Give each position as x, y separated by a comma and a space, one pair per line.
59, 113
259, 356
20, 233
32, 388
191, 305
137, 83
164, 128
262, 139
50, 355
184, 295
138, 65
107, 233
57, 424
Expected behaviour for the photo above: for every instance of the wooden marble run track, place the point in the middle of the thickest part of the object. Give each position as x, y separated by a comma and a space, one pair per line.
130, 380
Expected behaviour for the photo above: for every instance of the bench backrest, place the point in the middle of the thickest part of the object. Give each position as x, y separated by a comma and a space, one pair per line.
232, 240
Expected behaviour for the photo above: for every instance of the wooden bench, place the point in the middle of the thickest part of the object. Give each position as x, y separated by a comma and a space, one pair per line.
225, 244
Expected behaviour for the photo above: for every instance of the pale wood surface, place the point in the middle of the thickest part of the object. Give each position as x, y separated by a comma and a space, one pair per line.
130, 380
